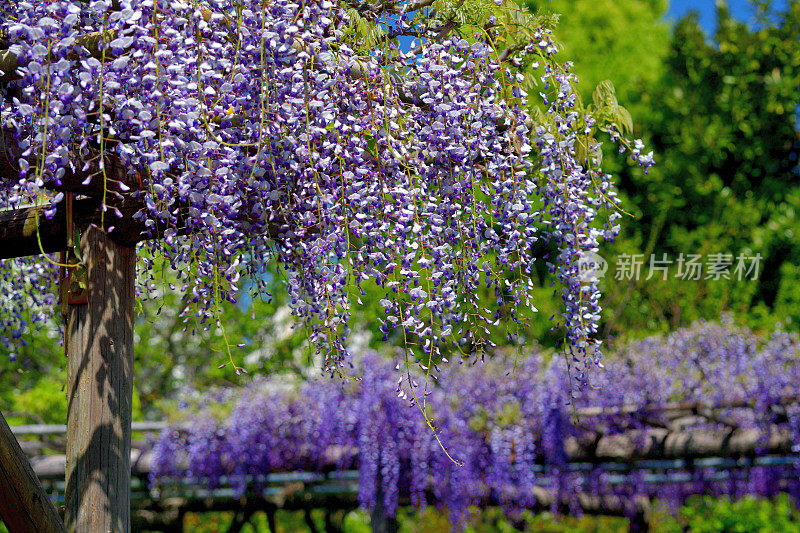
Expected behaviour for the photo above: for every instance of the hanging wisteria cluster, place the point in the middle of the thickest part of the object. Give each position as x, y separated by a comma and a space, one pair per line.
253, 133
28, 289
515, 431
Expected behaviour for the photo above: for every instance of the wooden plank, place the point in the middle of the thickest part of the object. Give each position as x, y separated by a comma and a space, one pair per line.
39, 429
99, 340
380, 520
25, 231
88, 178
300, 497
9, 62
60, 429
629, 447
678, 407
19, 236
53, 467
24, 505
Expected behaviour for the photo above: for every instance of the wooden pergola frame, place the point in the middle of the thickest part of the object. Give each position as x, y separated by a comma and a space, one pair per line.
98, 337
24, 507
657, 450
98, 333
98, 317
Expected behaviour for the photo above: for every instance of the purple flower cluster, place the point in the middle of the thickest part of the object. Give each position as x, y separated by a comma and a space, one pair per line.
510, 432
28, 288
258, 135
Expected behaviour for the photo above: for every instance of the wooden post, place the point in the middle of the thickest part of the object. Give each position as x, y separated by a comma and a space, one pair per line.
24, 505
99, 342
380, 521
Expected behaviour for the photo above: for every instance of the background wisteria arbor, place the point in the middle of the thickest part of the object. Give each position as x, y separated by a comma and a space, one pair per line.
696, 394
255, 131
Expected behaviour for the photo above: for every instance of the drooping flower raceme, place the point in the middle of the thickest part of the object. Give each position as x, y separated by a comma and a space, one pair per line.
251, 133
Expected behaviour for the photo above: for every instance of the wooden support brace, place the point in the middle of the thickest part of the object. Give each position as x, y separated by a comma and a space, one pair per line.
24, 505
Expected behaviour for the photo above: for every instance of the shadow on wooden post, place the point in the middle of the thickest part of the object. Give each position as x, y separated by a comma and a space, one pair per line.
99, 341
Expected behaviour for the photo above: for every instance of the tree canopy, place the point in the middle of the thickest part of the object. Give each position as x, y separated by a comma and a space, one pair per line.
625, 42
723, 116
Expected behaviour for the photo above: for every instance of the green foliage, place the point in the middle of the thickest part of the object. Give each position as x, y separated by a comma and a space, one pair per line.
706, 514
724, 126
624, 41
362, 32
605, 108
168, 357
45, 401
701, 514
721, 115
171, 356
472, 12
507, 416
611, 118
33, 384
492, 520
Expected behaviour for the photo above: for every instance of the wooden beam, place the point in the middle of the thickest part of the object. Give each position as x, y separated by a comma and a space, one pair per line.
18, 228
678, 407
87, 178
24, 505
657, 443
306, 498
380, 520
53, 467
99, 341
20, 237
91, 41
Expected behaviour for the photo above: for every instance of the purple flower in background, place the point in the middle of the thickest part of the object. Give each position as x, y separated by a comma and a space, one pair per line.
515, 434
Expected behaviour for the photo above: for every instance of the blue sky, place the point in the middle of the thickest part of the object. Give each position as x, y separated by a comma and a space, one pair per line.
741, 9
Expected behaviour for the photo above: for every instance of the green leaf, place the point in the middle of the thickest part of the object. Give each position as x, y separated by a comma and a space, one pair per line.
372, 146
604, 95
625, 120
581, 150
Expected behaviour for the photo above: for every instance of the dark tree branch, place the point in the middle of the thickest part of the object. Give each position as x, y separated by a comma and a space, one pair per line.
310, 521
240, 519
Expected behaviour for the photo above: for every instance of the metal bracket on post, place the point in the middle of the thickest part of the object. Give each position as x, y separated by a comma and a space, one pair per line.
72, 280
